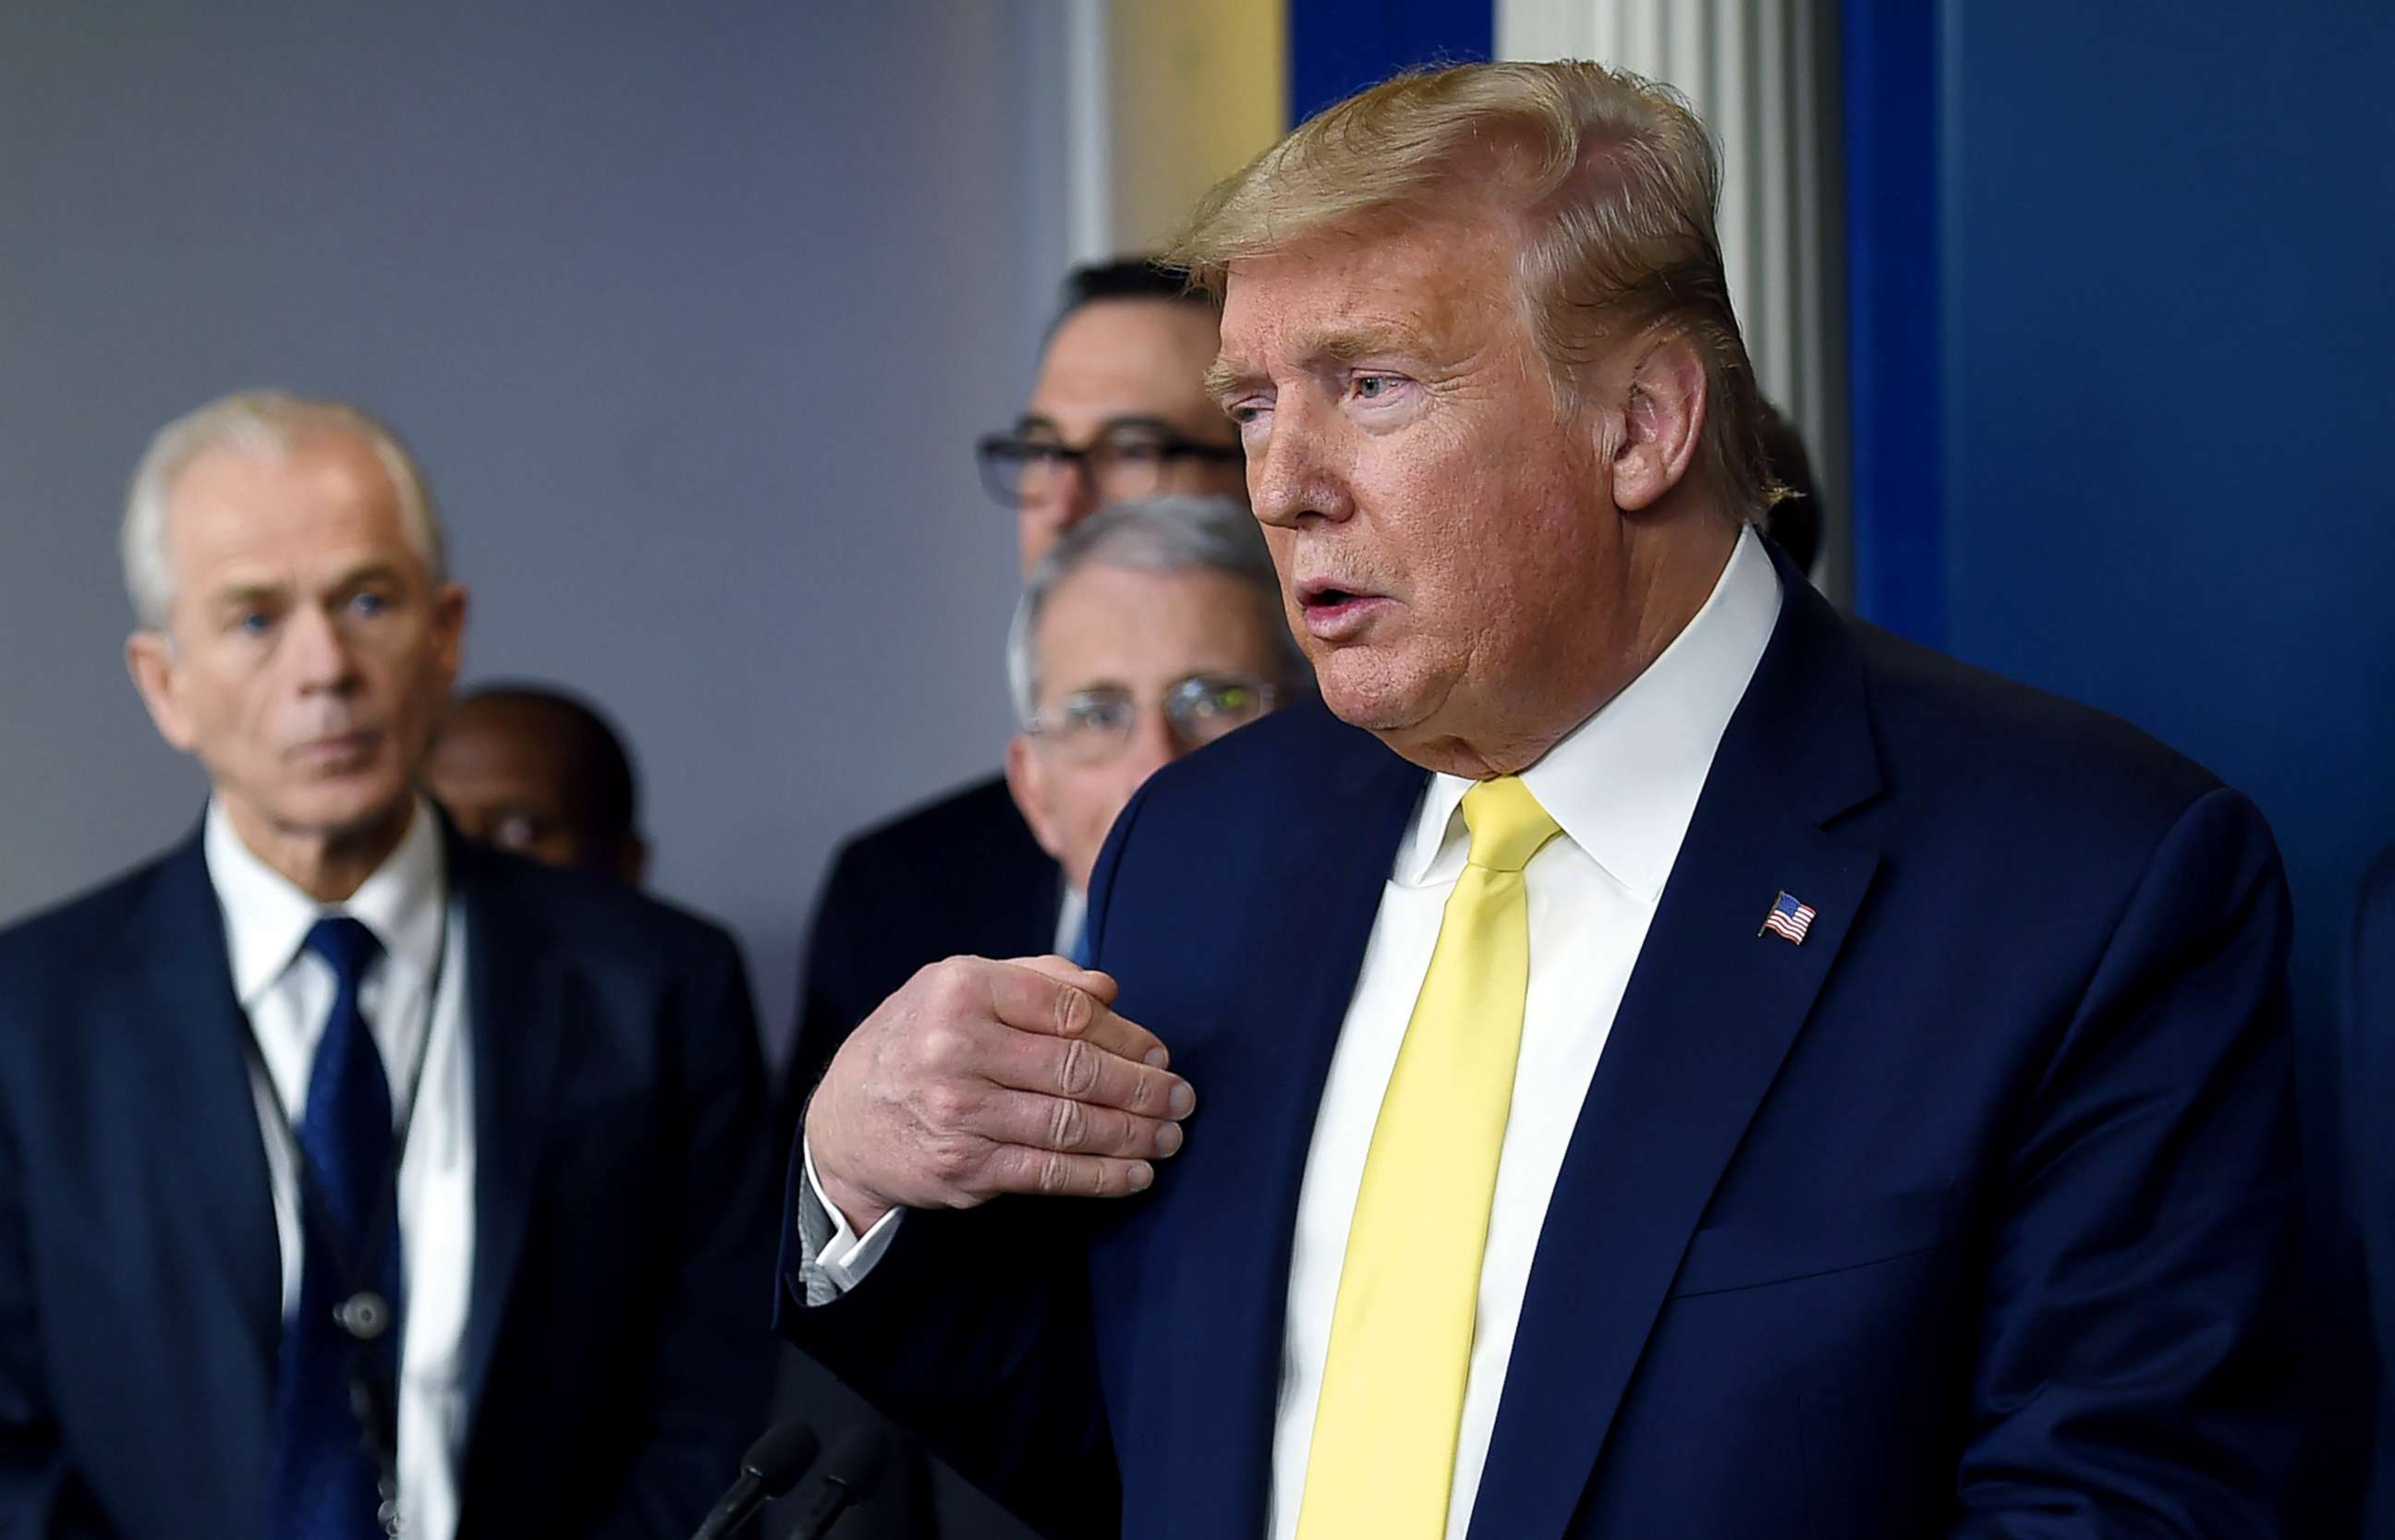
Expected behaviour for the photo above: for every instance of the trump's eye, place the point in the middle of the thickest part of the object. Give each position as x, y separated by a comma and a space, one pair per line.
1376, 390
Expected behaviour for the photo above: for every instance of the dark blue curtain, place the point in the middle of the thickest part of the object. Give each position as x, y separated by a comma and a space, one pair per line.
1896, 423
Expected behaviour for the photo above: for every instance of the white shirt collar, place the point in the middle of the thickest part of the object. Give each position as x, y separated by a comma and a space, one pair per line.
267, 916
1623, 785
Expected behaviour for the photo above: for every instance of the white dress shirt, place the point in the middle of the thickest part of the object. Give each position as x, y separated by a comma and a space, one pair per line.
1622, 788
287, 994
1072, 915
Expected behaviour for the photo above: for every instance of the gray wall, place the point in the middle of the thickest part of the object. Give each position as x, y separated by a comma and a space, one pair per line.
691, 312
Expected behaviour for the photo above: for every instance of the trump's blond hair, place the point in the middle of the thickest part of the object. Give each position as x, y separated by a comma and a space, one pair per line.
1614, 183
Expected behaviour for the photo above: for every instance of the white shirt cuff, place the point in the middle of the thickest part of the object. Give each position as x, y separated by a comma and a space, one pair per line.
835, 1257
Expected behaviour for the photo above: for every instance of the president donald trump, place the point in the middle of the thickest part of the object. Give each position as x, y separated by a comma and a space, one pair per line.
1646, 1057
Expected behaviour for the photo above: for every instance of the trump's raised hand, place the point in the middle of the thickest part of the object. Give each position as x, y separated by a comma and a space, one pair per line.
981, 1077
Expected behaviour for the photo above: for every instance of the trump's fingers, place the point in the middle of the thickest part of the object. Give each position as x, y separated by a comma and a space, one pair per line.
1077, 1070
1053, 1173
1047, 995
1038, 1121
1064, 971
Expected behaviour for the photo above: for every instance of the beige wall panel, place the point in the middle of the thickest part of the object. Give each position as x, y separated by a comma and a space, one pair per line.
1198, 87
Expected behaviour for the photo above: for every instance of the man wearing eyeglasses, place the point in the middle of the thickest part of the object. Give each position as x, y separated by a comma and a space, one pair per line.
1119, 411
1147, 631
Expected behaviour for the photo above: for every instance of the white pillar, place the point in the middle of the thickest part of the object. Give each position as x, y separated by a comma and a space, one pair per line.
1088, 128
1762, 73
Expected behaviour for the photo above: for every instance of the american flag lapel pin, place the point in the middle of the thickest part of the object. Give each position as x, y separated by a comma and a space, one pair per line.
1789, 918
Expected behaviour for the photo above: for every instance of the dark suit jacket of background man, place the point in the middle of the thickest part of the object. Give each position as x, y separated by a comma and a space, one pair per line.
960, 877
617, 1354
1971, 1216
2369, 1122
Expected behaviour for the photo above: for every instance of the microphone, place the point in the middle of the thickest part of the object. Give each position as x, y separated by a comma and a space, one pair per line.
850, 1473
772, 1466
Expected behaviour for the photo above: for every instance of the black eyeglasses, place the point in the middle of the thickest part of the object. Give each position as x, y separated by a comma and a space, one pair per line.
1129, 460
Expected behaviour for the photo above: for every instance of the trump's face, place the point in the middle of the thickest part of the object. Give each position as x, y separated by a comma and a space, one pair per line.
306, 650
1449, 547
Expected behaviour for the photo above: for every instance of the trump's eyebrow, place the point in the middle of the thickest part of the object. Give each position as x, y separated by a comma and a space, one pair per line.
1365, 340
1226, 375
1336, 349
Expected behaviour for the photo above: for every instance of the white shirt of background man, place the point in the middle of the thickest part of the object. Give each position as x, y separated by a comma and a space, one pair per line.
287, 994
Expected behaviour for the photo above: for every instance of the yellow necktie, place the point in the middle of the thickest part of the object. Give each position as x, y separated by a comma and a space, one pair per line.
1383, 1453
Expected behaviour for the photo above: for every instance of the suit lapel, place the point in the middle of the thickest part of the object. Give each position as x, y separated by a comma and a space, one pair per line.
1710, 1014
213, 1240
513, 1005
1231, 1287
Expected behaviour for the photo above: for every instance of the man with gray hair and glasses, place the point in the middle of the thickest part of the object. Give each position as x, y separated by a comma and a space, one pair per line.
356, 1178
1148, 631
1117, 411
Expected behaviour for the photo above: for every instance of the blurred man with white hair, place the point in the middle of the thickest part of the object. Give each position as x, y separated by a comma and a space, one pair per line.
356, 1178
1148, 631
1117, 411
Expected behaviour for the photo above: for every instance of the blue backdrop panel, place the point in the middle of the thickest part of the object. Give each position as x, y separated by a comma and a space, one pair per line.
2123, 391
1890, 138
2168, 395
1337, 46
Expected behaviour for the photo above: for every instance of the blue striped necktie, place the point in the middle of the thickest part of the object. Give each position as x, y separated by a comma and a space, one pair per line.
325, 1482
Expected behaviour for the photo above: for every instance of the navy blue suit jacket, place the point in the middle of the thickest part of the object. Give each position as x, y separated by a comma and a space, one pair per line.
1972, 1216
2369, 1122
617, 1361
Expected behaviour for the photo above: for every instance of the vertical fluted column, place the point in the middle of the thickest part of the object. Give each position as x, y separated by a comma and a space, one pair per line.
1762, 73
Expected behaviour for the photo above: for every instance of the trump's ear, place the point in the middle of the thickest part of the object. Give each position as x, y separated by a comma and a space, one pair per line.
1662, 419
150, 658
1027, 782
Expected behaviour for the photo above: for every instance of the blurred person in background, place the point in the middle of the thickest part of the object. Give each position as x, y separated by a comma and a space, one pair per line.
1118, 410
352, 1174
1151, 629
540, 772
1148, 631
1794, 521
